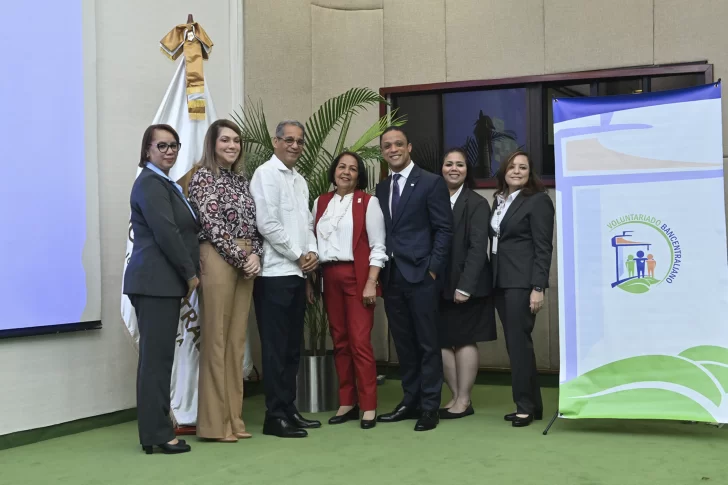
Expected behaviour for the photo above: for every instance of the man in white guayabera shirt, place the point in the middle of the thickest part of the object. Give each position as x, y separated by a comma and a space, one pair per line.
289, 252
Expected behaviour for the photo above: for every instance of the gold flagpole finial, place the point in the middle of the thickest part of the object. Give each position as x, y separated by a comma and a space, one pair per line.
191, 40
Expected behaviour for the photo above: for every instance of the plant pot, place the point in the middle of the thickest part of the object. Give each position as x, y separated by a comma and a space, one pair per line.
317, 387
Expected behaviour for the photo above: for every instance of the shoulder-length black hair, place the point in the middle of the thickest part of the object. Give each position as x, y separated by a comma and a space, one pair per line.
469, 181
362, 180
149, 136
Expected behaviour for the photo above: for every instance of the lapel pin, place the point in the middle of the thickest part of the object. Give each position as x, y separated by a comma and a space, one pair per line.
358, 201
412, 184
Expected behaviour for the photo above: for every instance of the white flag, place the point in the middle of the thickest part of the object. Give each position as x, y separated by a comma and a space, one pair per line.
173, 111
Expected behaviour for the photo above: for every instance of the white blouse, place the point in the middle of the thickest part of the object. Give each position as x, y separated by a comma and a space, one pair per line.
335, 230
499, 212
453, 200
454, 197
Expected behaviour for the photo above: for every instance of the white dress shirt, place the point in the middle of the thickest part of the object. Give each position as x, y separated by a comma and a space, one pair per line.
401, 182
281, 206
335, 230
499, 213
453, 199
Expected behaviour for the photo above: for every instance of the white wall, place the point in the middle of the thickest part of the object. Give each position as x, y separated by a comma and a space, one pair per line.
52, 379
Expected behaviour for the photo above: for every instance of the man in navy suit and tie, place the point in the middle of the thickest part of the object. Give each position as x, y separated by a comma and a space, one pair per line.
418, 222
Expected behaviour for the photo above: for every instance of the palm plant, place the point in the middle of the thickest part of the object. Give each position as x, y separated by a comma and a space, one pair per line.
335, 114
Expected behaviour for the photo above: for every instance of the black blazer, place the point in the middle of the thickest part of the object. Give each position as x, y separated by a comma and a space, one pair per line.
166, 251
419, 237
523, 257
469, 268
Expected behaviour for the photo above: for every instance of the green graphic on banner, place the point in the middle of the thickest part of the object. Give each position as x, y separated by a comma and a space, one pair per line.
689, 386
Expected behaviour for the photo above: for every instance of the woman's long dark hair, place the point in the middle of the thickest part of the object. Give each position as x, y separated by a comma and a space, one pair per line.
532, 186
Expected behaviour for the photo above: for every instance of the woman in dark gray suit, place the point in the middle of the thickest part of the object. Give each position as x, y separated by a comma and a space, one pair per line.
162, 270
467, 315
521, 228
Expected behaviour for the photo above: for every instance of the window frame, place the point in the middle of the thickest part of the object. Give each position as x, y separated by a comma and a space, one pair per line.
539, 83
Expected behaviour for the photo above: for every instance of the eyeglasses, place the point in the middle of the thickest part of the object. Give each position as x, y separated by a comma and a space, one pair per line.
164, 147
289, 141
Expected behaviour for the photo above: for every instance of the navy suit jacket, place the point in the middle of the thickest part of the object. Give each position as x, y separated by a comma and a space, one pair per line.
166, 253
419, 236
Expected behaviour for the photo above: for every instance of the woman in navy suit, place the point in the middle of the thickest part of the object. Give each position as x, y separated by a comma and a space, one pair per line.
522, 229
162, 270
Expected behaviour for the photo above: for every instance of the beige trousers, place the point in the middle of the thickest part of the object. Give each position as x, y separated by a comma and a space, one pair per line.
225, 304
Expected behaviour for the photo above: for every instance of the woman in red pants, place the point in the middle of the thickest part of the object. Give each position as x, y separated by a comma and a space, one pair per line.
349, 228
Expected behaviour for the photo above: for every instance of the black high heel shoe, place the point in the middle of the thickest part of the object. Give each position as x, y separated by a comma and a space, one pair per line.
446, 414
350, 415
520, 422
368, 423
168, 449
537, 416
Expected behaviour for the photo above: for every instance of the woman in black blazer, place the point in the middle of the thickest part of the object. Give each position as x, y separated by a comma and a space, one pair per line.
162, 270
521, 228
467, 315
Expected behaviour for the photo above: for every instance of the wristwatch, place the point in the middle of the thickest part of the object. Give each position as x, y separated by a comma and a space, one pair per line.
538, 288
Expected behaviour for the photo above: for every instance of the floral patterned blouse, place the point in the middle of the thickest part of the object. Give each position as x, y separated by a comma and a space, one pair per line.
227, 212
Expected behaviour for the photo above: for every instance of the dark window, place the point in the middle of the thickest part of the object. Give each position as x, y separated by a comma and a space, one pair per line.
664, 83
424, 128
611, 87
489, 124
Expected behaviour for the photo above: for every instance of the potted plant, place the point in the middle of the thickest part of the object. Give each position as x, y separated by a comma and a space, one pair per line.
327, 127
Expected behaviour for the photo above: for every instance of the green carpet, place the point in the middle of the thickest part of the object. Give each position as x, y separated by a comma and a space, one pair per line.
479, 449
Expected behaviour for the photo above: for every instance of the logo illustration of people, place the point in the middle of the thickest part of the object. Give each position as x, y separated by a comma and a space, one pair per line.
635, 263
640, 261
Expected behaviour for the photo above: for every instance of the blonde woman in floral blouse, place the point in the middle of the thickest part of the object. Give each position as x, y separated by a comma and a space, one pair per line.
230, 251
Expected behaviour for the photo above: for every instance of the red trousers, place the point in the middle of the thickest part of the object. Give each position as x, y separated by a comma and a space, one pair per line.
350, 322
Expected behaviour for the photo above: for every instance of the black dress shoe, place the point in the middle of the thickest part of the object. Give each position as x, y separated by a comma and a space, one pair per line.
522, 422
427, 421
282, 428
368, 423
168, 449
538, 416
300, 422
400, 413
446, 414
350, 415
